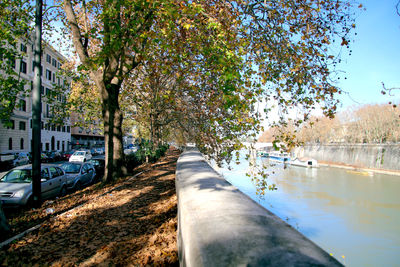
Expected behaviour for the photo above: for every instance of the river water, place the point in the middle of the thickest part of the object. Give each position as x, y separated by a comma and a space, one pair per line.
351, 215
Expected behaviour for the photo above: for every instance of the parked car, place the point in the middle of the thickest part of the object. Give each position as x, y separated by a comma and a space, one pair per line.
44, 158
53, 156
6, 161
99, 150
80, 156
67, 154
21, 158
16, 185
131, 149
78, 174
99, 164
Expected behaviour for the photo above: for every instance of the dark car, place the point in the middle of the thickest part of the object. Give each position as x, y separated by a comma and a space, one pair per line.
78, 174
99, 164
53, 156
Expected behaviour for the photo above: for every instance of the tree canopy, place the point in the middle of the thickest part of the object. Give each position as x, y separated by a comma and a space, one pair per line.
197, 70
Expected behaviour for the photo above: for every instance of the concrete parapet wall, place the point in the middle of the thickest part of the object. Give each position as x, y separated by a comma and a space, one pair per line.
220, 226
379, 156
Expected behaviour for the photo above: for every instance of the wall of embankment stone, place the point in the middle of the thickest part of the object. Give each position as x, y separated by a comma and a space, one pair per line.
220, 226
379, 156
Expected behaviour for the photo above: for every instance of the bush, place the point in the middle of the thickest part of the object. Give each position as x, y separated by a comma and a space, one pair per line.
146, 151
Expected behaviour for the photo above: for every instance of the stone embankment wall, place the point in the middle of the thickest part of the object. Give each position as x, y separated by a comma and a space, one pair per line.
378, 156
220, 226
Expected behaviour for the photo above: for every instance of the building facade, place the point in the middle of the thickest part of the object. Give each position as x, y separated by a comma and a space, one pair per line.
18, 137
87, 137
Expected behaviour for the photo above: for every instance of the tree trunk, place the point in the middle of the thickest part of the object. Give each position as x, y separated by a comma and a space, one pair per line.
112, 117
4, 227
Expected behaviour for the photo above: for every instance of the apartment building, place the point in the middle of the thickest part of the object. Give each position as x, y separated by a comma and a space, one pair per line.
89, 137
18, 137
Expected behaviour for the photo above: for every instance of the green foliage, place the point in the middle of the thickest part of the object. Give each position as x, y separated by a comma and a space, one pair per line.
147, 152
15, 18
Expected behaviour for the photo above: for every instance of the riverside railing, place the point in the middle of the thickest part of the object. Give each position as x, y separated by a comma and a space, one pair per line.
220, 226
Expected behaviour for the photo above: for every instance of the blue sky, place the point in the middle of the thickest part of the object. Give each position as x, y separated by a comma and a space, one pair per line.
375, 55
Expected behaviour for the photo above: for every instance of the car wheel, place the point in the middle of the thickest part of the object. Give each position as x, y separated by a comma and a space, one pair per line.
63, 191
78, 186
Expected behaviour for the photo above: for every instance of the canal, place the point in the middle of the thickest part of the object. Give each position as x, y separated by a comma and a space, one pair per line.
352, 215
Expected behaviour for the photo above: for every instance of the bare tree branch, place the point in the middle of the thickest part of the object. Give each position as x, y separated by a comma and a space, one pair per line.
388, 91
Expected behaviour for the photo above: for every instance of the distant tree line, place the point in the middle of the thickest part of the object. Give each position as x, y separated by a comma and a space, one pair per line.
379, 123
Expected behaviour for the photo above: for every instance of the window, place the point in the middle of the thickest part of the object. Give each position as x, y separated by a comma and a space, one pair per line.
54, 63
41, 125
23, 67
44, 174
12, 126
54, 77
22, 125
53, 127
47, 111
60, 171
58, 145
68, 129
54, 172
21, 143
42, 90
58, 81
63, 129
47, 146
58, 128
59, 65
48, 91
48, 74
48, 58
10, 143
22, 105
23, 48
30, 124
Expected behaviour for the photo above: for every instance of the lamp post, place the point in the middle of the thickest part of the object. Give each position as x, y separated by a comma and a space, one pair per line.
37, 108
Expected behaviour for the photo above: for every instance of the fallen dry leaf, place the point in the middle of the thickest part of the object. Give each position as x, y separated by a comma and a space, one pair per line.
130, 222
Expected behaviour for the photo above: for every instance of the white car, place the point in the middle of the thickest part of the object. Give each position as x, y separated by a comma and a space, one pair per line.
80, 156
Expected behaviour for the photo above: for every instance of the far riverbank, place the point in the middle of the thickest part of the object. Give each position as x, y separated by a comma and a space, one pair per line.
379, 158
361, 170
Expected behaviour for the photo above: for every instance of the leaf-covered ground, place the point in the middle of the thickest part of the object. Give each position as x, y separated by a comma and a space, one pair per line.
129, 223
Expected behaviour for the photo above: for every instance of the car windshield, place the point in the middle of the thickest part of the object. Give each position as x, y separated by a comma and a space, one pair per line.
79, 153
71, 167
17, 176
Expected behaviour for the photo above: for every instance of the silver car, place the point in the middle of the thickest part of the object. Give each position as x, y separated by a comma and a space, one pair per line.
21, 158
78, 174
16, 185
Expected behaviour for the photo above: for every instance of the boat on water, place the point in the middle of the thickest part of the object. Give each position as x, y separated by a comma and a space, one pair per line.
304, 162
262, 153
279, 156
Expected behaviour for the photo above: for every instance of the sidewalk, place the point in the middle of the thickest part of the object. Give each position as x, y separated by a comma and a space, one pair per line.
134, 223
